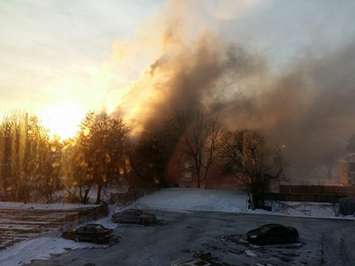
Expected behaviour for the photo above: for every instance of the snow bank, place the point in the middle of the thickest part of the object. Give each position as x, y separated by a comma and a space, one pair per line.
185, 199
39, 248
178, 199
321, 210
314, 209
43, 206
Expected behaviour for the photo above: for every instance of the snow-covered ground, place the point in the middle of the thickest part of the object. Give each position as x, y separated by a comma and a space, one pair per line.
38, 248
177, 199
314, 209
43, 206
185, 199
173, 199
187, 234
27, 233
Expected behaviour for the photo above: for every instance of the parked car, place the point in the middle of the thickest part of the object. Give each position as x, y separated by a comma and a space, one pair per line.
134, 216
95, 233
270, 234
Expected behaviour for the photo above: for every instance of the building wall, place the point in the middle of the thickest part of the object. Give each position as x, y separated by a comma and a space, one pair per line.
342, 168
346, 170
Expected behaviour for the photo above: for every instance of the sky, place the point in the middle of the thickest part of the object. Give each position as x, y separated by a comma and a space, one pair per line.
58, 58
53, 54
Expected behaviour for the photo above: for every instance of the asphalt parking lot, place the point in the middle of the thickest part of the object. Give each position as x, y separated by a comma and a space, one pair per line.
185, 235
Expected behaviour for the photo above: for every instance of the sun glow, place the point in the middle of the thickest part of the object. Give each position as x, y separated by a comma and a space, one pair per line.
62, 120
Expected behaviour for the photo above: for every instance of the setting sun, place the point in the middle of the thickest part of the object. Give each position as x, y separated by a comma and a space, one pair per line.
62, 120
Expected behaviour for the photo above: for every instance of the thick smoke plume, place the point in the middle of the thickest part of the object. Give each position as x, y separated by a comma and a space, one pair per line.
308, 108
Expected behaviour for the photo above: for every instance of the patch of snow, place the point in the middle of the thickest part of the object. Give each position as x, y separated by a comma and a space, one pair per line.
192, 199
106, 221
43, 206
189, 199
38, 249
250, 253
314, 209
304, 210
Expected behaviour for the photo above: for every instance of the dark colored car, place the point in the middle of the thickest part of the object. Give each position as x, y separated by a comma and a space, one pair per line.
95, 233
134, 216
271, 234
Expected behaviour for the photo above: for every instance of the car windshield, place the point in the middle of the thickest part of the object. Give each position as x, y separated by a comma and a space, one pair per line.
265, 229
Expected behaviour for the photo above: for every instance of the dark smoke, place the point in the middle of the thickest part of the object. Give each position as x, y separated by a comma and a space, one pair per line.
310, 109
199, 76
307, 108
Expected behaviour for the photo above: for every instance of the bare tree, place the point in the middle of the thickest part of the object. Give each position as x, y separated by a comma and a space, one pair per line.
202, 141
149, 158
252, 162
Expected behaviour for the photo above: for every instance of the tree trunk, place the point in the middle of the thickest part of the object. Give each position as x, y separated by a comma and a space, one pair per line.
251, 201
98, 197
86, 196
81, 195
